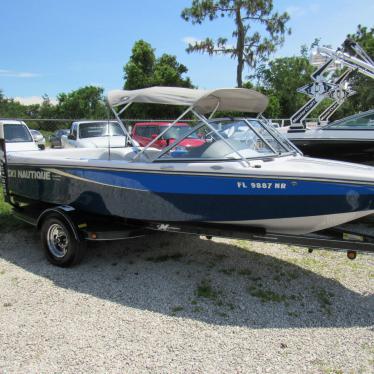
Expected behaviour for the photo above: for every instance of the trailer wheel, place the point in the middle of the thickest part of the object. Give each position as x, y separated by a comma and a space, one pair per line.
59, 243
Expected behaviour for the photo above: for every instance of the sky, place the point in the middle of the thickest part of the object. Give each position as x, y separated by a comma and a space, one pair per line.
54, 46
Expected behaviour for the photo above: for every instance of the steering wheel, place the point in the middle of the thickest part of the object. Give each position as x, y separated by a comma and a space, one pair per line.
230, 132
208, 136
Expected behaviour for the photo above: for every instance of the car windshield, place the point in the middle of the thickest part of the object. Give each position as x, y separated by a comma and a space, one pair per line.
16, 133
231, 139
96, 129
62, 132
357, 122
176, 132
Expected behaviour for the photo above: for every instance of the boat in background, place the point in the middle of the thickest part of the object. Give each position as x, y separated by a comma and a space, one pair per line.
348, 139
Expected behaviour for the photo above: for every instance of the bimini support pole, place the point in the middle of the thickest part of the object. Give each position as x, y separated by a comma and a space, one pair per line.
162, 133
215, 109
128, 136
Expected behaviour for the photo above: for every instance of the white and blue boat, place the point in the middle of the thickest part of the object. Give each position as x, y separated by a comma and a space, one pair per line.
244, 173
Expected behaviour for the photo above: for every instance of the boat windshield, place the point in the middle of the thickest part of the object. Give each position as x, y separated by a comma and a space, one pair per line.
229, 139
362, 121
178, 131
96, 129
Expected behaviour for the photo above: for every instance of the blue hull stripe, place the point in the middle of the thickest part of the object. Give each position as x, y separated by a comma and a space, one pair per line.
207, 185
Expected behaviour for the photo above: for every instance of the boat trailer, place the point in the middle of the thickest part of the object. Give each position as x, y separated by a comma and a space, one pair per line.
64, 230
81, 228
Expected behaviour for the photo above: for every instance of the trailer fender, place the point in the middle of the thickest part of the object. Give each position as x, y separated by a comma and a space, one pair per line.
65, 212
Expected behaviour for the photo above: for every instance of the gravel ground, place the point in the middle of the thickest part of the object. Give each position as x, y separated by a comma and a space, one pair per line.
173, 303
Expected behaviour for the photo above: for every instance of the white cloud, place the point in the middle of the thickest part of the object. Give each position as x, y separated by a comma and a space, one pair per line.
295, 11
190, 40
17, 74
30, 100
299, 11
314, 8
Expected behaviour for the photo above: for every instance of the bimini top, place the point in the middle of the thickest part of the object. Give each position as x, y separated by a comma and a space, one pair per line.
203, 101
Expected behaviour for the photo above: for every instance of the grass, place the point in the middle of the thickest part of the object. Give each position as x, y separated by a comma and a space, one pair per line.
324, 299
266, 295
163, 258
231, 271
197, 309
177, 309
293, 314
227, 271
222, 314
245, 272
7, 220
332, 371
204, 289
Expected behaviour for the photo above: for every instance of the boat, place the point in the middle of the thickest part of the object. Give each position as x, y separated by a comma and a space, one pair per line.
244, 174
348, 139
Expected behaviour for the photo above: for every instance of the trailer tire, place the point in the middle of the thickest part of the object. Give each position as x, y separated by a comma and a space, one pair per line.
60, 245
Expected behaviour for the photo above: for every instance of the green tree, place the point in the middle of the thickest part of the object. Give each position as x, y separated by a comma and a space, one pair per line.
364, 86
49, 111
144, 69
169, 72
86, 102
281, 78
248, 48
9, 108
139, 70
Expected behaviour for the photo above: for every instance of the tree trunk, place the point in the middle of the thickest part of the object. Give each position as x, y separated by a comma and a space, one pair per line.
239, 46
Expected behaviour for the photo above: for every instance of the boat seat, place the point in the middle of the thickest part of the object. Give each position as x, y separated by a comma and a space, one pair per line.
121, 155
117, 154
151, 153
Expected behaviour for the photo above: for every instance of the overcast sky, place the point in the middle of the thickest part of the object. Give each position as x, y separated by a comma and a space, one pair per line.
52, 46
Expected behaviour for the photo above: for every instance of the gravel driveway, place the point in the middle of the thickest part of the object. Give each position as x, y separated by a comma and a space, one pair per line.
173, 303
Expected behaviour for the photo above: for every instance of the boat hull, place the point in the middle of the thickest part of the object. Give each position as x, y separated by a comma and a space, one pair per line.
360, 150
286, 205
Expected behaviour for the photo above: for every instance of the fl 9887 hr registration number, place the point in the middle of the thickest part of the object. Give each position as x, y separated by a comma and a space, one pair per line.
261, 185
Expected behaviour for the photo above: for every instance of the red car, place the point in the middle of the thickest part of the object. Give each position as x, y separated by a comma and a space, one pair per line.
145, 132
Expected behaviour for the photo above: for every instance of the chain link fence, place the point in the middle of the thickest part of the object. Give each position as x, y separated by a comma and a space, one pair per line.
53, 124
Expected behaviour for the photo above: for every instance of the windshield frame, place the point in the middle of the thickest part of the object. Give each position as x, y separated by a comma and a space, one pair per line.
274, 134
